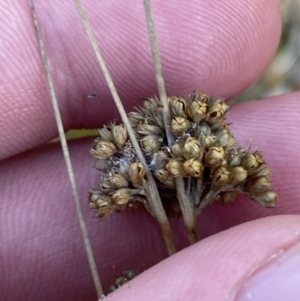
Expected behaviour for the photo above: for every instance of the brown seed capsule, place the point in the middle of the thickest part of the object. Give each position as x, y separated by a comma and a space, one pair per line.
105, 184
237, 174
216, 111
148, 129
225, 139
103, 201
151, 143
151, 103
120, 135
257, 185
214, 157
251, 162
94, 195
178, 106
197, 110
203, 129
261, 171
105, 134
121, 196
175, 168
158, 117
220, 176
136, 173
162, 175
207, 141
103, 149
118, 181
135, 118
192, 149
199, 96
177, 150
266, 199
106, 210
193, 167
179, 125
228, 197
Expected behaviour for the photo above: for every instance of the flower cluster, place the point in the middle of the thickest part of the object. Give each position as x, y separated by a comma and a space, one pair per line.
205, 154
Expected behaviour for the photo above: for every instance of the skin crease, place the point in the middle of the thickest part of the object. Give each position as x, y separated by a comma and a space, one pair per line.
220, 49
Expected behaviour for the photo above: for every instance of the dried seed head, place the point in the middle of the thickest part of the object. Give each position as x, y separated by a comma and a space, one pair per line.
137, 173
214, 157
103, 149
199, 96
192, 149
237, 174
177, 150
251, 162
198, 109
151, 143
118, 181
105, 134
178, 106
256, 185
121, 196
216, 111
158, 117
162, 175
207, 141
175, 167
120, 135
193, 167
228, 197
266, 199
220, 176
179, 125
203, 129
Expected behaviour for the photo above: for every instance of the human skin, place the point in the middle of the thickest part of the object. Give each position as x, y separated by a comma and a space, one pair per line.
221, 47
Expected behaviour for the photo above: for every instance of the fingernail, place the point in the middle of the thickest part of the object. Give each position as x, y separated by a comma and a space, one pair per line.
277, 280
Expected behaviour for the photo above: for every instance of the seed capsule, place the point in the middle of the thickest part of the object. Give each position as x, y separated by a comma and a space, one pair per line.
237, 174
228, 197
159, 160
105, 134
266, 199
192, 149
214, 157
220, 176
118, 181
193, 167
135, 118
178, 106
199, 96
164, 177
151, 103
197, 109
103, 149
103, 201
179, 125
148, 129
216, 111
251, 162
225, 139
94, 195
121, 196
137, 173
175, 168
177, 150
257, 185
151, 143
105, 184
158, 117
120, 135
207, 141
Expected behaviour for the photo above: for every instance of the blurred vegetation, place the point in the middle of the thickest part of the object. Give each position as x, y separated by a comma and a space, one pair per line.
282, 76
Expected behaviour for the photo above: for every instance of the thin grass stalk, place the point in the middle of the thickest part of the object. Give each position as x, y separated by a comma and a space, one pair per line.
87, 243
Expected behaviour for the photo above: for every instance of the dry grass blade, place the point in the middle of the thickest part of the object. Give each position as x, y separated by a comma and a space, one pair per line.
64, 145
153, 195
185, 202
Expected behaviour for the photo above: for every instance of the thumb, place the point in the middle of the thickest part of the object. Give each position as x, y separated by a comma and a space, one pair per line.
231, 265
